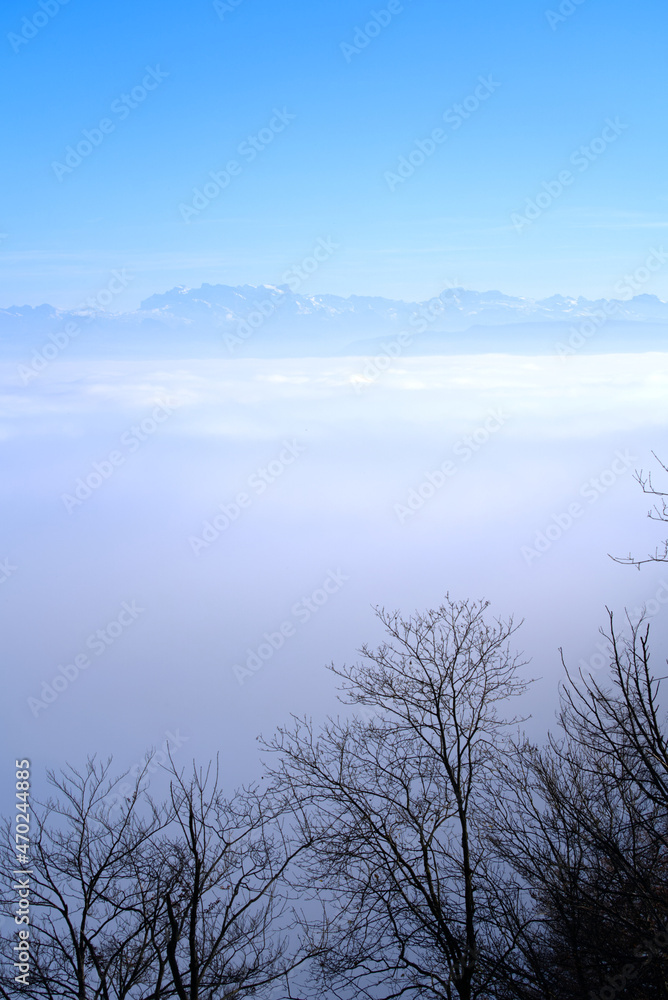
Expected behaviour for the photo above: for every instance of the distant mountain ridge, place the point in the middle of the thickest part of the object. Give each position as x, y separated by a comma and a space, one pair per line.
461, 307
269, 320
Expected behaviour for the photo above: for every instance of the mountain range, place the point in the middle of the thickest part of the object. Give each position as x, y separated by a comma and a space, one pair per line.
275, 321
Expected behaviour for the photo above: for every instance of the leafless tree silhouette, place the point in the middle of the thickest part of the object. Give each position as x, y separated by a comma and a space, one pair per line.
659, 512
583, 824
397, 802
184, 900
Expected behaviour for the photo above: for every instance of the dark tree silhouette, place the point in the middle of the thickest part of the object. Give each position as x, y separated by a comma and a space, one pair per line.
583, 824
413, 848
396, 806
184, 900
88, 932
231, 929
659, 512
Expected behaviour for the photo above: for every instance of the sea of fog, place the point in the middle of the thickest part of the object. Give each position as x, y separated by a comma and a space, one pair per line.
187, 544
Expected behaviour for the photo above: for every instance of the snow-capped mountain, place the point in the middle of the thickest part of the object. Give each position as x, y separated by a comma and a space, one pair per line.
458, 308
269, 320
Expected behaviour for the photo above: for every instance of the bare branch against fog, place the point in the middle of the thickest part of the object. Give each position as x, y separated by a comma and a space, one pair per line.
396, 805
659, 512
187, 899
583, 825
415, 848
88, 935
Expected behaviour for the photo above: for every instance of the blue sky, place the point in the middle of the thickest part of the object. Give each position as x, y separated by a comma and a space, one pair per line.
325, 174
201, 89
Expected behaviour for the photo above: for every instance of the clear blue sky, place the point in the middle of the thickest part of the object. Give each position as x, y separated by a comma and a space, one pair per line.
324, 174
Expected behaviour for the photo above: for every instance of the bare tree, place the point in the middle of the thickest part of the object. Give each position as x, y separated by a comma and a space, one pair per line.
659, 512
185, 900
231, 929
583, 824
88, 934
621, 720
396, 806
